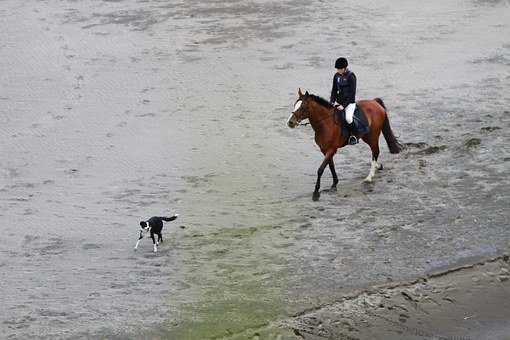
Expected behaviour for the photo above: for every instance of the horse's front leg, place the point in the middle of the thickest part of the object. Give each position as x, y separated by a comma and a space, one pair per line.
333, 173
320, 171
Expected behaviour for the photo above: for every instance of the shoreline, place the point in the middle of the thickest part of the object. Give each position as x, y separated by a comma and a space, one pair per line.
452, 304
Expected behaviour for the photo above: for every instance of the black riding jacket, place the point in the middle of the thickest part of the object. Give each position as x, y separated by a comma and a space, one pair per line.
344, 88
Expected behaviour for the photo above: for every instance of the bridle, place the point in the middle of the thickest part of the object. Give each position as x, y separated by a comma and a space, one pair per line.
305, 124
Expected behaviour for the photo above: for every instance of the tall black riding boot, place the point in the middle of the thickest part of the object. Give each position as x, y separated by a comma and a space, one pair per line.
353, 140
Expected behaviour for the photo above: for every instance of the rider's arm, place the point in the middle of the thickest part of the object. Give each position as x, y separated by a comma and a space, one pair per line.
332, 98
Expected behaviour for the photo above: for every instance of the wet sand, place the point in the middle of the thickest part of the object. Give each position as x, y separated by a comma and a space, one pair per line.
114, 111
470, 302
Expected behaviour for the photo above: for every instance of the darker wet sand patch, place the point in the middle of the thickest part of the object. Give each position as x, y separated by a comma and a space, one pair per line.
493, 59
431, 150
472, 143
468, 302
36, 246
423, 148
89, 246
417, 145
490, 128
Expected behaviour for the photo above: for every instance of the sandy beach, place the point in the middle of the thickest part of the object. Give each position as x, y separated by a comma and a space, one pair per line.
469, 302
114, 111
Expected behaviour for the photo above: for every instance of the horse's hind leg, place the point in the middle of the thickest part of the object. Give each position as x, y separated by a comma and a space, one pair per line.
373, 164
333, 173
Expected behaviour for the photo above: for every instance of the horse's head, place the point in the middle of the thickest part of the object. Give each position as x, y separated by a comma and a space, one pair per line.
300, 110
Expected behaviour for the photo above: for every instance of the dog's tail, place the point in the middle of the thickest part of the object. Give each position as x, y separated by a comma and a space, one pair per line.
168, 219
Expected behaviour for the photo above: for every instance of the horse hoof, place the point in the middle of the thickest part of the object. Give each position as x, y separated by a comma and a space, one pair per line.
333, 188
367, 180
316, 196
380, 167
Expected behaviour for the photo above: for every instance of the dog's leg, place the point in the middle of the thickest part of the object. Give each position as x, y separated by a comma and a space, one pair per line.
139, 239
154, 242
160, 238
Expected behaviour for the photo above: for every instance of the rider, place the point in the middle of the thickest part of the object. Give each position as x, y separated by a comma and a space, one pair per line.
343, 94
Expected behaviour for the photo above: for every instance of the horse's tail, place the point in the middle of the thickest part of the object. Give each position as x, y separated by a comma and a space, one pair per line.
393, 143
379, 100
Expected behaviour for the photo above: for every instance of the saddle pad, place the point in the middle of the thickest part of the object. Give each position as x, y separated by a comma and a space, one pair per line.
360, 119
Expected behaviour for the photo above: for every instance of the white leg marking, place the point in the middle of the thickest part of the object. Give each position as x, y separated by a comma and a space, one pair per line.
373, 166
137, 243
155, 248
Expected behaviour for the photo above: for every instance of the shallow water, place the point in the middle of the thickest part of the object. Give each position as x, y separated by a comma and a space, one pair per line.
114, 111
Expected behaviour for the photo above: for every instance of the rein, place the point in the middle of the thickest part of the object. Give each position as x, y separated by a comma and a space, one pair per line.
305, 124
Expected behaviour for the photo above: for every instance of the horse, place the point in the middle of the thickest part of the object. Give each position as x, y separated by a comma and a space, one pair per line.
328, 132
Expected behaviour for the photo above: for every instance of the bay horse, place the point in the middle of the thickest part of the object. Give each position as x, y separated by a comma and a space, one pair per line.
328, 132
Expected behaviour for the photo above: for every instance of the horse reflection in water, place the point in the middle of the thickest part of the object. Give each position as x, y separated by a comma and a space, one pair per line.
329, 136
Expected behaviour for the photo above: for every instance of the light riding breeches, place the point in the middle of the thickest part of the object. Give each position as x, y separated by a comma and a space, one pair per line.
349, 112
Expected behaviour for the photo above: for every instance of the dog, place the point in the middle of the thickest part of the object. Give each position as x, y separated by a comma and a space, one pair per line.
154, 225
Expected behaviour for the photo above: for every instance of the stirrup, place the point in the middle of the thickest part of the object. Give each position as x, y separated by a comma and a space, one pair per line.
353, 140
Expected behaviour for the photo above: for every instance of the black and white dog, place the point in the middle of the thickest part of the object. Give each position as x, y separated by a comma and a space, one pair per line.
154, 225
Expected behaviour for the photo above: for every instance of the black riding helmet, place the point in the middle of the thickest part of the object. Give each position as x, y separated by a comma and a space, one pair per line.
341, 63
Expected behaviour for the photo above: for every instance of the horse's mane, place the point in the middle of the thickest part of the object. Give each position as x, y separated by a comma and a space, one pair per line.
321, 101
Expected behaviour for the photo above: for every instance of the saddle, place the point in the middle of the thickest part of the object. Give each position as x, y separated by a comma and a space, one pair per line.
359, 125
